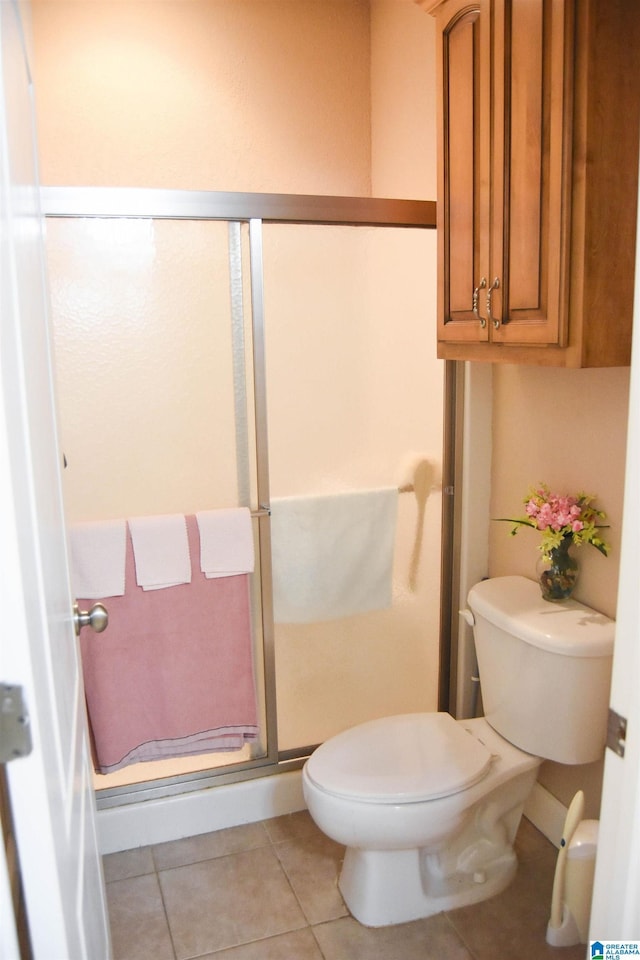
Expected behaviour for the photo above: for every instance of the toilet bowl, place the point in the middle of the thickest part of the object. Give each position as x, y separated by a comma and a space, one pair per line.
427, 806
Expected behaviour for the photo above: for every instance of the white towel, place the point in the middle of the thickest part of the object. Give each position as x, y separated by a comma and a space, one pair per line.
226, 542
332, 555
97, 552
161, 551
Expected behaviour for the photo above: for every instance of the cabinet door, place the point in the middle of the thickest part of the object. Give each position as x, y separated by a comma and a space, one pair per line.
531, 129
463, 208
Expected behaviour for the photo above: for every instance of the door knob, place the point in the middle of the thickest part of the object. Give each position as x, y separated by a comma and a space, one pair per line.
97, 618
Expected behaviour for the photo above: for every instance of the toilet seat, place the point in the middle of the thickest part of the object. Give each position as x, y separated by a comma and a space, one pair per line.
400, 759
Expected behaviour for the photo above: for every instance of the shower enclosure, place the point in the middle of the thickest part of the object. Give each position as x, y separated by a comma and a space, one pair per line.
220, 350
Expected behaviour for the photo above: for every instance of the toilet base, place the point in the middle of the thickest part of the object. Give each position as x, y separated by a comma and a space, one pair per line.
385, 887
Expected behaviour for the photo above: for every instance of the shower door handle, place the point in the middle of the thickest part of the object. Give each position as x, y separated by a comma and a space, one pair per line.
97, 618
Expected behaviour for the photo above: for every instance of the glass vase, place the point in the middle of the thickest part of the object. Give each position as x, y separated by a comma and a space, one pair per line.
558, 573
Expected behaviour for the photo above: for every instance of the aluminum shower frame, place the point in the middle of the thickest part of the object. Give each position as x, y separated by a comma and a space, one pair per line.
254, 209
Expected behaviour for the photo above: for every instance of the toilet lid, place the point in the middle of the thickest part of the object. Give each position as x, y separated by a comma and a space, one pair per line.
416, 756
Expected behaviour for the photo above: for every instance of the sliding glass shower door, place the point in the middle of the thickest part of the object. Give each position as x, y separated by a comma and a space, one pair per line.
355, 406
221, 350
153, 347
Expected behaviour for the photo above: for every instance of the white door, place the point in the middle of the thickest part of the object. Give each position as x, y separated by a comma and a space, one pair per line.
615, 913
50, 789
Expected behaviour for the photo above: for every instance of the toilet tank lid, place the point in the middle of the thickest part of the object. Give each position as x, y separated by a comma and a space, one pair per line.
567, 628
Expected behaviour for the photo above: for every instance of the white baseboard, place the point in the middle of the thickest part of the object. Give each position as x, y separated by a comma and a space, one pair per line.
546, 813
188, 814
229, 805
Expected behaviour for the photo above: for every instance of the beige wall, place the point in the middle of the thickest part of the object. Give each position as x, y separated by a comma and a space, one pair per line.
403, 101
566, 428
257, 95
260, 95
341, 95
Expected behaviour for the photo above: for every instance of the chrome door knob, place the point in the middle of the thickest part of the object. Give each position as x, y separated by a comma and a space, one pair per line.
97, 618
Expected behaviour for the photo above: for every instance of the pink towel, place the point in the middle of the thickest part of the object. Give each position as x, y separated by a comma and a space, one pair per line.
172, 675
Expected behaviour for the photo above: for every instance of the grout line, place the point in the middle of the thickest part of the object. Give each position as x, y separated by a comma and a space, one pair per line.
309, 925
460, 936
312, 927
291, 887
166, 915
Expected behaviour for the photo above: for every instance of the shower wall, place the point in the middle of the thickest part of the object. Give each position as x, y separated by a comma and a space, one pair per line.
143, 352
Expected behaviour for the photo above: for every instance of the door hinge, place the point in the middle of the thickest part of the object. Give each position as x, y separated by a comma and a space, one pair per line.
15, 729
616, 732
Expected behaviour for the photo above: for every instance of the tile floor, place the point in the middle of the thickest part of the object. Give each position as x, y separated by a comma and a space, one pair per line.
267, 891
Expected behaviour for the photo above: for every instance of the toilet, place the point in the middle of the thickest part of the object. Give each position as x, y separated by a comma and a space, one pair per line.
427, 806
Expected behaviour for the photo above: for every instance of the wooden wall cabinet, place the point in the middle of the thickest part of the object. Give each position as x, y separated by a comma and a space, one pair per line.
539, 110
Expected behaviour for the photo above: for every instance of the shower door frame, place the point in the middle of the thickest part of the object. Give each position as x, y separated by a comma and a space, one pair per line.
255, 209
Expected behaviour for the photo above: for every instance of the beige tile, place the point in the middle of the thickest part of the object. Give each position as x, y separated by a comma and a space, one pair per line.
139, 929
127, 863
346, 939
228, 901
206, 846
312, 864
291, 826
530, 843
300, 945
227, 897
513, 924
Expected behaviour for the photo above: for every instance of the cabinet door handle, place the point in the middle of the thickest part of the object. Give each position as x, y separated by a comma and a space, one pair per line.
494, 286
476, 297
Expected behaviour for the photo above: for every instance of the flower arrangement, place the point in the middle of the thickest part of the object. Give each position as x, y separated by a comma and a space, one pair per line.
560, 518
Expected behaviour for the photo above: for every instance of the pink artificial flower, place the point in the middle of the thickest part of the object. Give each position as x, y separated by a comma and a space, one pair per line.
557, 516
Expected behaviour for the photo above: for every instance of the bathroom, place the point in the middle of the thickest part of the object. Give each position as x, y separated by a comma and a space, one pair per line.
384, 146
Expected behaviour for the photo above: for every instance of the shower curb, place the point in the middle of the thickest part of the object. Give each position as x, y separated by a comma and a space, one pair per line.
189, 814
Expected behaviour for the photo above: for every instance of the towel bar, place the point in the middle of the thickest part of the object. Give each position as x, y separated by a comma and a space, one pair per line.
266, 511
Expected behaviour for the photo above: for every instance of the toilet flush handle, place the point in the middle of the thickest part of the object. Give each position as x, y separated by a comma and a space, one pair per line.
468, 616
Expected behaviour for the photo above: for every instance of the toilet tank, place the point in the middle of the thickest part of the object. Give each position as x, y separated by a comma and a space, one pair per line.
545, 669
